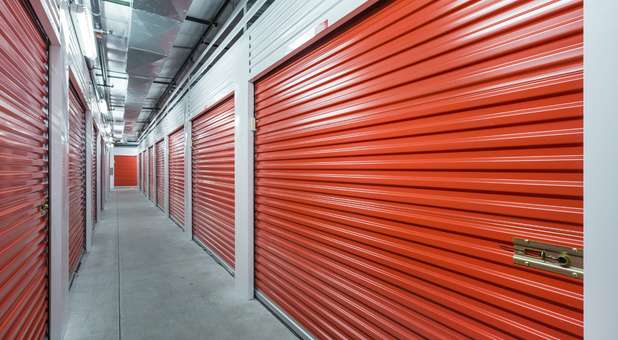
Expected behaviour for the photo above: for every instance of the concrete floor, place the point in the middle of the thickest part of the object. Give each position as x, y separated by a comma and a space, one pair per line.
144, 280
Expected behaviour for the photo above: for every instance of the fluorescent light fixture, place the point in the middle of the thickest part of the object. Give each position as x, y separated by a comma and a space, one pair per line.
82, 22
103, 106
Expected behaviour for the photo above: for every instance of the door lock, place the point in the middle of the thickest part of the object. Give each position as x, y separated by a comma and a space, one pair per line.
43, 208
550, 257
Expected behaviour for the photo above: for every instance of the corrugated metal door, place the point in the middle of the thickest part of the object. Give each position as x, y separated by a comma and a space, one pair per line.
95, 174
160, 174
213, 179
77, 179
139, 171
23, 175
144, 170
177, 176
395, 158
104, 174
151, 172
125, 171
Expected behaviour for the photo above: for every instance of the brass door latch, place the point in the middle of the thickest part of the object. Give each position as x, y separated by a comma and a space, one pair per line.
43, 208
550, 257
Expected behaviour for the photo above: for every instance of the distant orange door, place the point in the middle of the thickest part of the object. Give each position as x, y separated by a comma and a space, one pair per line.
125, 171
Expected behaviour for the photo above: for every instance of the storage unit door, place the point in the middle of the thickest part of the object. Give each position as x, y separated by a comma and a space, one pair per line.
23, 175
395, 158
125, 171
177, 176
160, 174
213, 180
151, 172
95, 174
77, 179
104, 174
139, 171
144, 172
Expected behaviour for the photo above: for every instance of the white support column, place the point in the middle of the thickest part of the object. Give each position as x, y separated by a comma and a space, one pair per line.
166, 177
188, 176
89, 207
58, 190
600, 168
244, 170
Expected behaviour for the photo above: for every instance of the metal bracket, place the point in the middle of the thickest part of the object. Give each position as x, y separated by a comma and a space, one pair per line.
254, 124
43, 208
550, 257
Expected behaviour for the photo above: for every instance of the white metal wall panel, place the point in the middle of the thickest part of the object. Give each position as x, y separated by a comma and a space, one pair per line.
158, 132
149, 141
286, 25
80, 70
175, 117
215, 85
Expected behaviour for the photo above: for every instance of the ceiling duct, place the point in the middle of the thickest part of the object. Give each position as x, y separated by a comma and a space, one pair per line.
154, 27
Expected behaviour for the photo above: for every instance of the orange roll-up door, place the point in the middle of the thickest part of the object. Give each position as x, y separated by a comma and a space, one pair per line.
95, 174
24, 305
160, 174
177, 176
151, 172
144, 172
77, 179
125, 171
395, 157
139, 171
213, 179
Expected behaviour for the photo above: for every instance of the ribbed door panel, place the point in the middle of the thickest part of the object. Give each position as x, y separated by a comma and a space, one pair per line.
160, 174
23, 175
77, 179
213, 179
139, 170
177, 176
151, 172
144, 172
395, 158
95, 173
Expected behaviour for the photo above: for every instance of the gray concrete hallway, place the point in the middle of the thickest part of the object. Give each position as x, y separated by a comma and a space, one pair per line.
144, 279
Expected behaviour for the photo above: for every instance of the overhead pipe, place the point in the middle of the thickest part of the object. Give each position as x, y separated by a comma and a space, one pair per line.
172, 85
181, 89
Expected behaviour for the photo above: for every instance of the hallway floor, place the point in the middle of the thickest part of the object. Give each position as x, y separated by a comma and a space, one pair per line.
144, 279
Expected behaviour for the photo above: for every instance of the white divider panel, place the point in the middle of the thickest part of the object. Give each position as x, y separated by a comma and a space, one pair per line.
149, 141
215, 85
80, 70
175, 117
286, 25
159, 131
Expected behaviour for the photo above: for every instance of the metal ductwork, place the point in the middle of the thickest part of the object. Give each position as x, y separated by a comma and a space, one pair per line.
154, 27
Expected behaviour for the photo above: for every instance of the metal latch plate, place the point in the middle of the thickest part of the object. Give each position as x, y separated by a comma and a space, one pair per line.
550, 257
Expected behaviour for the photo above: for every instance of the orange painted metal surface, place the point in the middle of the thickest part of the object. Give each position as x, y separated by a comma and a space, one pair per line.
160, 174
144, 171
125, 171
77, 179
151, 172
139, 171
23, 175
213, 179
395, 158
95, 174
177, 176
